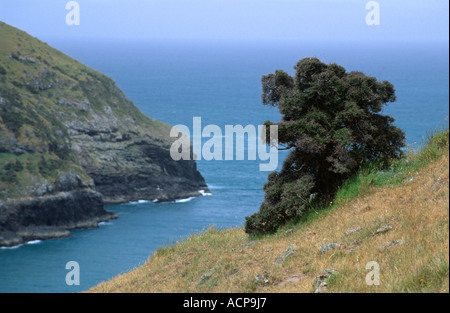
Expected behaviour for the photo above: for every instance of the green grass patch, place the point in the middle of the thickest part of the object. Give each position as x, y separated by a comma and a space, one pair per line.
428, 278
397, 171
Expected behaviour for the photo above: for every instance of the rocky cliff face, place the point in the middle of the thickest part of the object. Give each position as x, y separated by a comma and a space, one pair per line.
70, 141
128, 158
70, 204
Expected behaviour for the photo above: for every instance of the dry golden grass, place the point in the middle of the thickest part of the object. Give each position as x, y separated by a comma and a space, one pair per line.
417, 210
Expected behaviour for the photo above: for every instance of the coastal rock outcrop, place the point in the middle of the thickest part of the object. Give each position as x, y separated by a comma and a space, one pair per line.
70, 142
51, 216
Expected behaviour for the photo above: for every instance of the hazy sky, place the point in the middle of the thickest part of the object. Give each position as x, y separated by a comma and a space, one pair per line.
320, 20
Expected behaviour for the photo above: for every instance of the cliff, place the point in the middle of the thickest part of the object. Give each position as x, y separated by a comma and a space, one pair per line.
70, 142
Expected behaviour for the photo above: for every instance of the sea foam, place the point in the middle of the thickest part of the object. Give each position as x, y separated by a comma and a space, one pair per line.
13, 247
139, 202
33, 242
184, 200
204, 193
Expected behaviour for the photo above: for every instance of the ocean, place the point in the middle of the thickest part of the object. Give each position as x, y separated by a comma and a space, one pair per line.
221, 83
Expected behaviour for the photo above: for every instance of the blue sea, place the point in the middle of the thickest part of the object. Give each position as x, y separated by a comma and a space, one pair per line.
221, 83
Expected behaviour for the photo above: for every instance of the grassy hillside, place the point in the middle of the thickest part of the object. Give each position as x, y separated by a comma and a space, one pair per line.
44, 76
397, 217
42, 91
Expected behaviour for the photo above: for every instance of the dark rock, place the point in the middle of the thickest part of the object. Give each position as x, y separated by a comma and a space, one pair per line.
10, 239
70, 181
42, 233
50, 216
82, 105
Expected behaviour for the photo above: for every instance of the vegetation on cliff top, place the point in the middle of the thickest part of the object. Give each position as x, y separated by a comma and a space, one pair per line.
397, 217
42, 91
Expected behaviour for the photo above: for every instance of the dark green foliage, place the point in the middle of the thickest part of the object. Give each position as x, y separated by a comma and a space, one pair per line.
55, 137
11, 95
15, 55
10, 113
31, 168
32, 88
10, 170
332, 125
2, 70
47, 167
14, 115
61, 150
12, 119
283, 202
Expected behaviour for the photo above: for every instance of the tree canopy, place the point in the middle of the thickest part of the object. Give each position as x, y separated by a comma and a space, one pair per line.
332, 125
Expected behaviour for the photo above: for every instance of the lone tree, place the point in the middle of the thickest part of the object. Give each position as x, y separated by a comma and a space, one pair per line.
332, 125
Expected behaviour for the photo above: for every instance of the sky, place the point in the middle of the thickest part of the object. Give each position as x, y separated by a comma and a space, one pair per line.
233, 20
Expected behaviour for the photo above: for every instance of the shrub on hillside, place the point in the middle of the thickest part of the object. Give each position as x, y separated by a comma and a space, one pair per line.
332, 125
